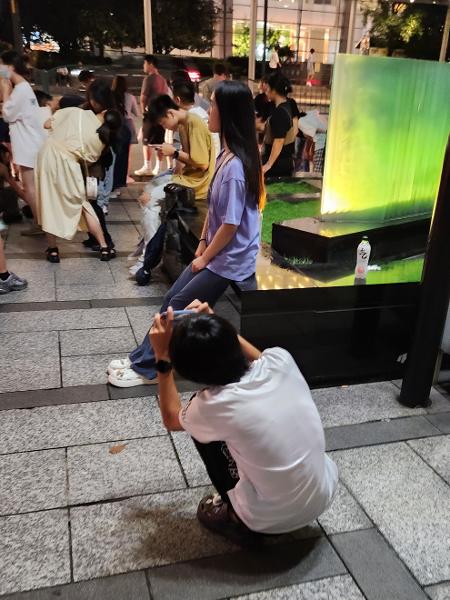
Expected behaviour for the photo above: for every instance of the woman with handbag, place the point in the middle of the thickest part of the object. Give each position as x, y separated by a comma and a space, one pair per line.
229, 242
77, 139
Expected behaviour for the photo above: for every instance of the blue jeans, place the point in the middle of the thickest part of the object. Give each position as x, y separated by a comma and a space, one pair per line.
205, 286
105, 186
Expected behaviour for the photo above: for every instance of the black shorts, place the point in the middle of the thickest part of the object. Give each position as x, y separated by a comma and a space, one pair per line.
152, 134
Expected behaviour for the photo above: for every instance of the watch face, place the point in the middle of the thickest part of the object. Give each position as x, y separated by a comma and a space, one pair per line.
162, 366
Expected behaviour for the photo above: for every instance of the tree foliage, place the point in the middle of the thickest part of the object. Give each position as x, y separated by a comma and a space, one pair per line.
184, 24
415, 29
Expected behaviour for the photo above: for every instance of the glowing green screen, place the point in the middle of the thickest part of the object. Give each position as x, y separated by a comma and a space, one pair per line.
388, 128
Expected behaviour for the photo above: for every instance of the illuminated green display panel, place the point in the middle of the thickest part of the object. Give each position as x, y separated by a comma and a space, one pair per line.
388, 128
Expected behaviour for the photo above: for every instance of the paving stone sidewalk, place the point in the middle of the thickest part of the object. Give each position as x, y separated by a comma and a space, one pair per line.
97, 500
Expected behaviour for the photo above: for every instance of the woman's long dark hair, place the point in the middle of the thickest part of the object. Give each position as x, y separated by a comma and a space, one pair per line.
237, 117
119, 88
101, 92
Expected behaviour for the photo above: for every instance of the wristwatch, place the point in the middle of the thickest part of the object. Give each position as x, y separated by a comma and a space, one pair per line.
163, 366
176, 154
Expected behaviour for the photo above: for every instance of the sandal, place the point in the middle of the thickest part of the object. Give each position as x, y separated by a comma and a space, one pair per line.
215, 514
107, 254
53, 255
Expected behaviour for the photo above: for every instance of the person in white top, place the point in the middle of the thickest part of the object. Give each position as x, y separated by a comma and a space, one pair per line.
21, 111
255, 426
274, 62
310, 65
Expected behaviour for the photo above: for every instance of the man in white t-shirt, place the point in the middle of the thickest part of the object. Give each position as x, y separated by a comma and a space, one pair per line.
255, 426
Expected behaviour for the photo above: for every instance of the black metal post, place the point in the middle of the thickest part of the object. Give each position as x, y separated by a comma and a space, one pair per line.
434, 298
15, 24
266, 10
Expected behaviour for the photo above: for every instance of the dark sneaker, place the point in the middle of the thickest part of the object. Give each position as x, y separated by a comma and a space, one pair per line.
12, 284
215, 514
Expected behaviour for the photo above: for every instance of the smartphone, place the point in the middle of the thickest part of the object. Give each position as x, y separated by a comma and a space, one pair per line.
179, 313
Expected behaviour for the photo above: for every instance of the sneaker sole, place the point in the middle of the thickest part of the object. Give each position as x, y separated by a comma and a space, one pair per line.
130, 383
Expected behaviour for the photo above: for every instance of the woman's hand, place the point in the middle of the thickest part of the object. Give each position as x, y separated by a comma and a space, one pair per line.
266, 168
200, 307
161, 334
200, 248
199, 264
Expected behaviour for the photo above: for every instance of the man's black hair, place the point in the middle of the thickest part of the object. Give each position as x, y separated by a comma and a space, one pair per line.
14, 59
220, 69
205, 349
152, 60
85, 75
185, 90
158, 108
42, 97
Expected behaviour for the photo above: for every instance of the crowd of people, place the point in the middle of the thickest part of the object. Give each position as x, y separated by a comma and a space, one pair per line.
254, 423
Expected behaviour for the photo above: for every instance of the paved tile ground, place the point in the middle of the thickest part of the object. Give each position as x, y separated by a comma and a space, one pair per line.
98, 501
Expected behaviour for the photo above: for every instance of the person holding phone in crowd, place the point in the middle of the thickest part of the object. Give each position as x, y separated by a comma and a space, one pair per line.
230, 238
254, 424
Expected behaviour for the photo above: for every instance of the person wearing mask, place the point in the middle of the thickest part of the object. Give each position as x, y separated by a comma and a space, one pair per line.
230, 237
314, 126
281, 130
184, 96
220, 74
77, 139
254, 424
153, 86
21, 111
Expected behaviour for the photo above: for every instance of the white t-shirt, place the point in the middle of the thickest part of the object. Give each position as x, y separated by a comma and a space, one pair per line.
274, 60
274, 433
22, 113
315, 125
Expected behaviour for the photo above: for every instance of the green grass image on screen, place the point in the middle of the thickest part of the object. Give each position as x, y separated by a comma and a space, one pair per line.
388, 129
278, 211
290, 188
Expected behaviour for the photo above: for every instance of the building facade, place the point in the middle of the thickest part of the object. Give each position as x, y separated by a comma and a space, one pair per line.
324, 25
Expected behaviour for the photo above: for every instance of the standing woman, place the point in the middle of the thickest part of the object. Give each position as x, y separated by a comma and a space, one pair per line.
77, 139
230, 239
281, 129
21, 111
127, 106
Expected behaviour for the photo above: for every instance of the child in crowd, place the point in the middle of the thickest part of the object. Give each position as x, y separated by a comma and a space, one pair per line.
255, 426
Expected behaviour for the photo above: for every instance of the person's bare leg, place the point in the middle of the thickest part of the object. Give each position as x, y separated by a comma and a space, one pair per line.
51, 240
3, 265
27, 176
95, 228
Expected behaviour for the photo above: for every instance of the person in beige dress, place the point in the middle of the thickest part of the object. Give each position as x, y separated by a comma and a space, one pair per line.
77, 139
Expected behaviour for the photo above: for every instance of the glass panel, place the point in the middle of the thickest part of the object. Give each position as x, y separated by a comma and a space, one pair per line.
387, 133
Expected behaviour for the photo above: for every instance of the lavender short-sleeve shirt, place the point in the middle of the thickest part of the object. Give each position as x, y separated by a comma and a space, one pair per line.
230, 203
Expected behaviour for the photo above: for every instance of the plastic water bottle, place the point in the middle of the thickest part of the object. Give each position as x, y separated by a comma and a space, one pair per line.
362, 259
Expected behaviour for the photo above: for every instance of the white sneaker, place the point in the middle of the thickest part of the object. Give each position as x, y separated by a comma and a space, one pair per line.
135, 268
119, 363
144, 172
125, 378
105, 209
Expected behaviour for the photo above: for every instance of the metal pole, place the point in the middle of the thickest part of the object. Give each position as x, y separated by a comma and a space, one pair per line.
351, 27
148, 26
435, 293
444, 46
15, 23
266, 10
252, 49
